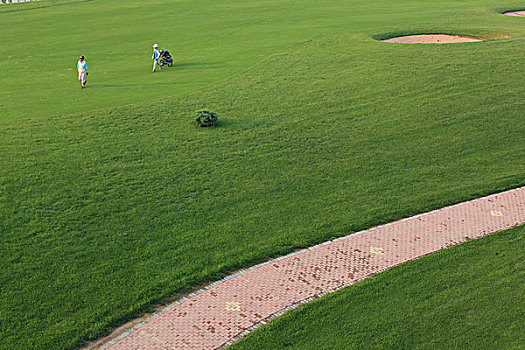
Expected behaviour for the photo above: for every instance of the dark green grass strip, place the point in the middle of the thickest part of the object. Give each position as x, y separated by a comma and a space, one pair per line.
466, 297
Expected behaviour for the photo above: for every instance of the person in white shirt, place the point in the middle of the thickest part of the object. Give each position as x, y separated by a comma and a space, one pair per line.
156, 58
82, 71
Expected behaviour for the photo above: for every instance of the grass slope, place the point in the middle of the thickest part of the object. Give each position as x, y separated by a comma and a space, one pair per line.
210, 40
103, 213
466, 297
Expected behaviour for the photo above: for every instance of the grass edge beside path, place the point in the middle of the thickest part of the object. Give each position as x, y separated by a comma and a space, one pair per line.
464, 296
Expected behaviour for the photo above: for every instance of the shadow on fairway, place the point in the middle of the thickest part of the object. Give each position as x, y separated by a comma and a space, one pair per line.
137, 84
41, 7
241, 124
199, 65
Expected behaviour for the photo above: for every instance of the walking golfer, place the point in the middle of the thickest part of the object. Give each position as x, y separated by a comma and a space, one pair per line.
156, 58
82, 71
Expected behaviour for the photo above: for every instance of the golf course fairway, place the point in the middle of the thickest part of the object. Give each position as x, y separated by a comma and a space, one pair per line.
111, 200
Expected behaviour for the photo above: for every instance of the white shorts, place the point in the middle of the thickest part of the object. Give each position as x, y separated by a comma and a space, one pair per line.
82, 76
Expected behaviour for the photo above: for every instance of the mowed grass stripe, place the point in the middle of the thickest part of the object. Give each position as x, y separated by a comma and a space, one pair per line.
469, 296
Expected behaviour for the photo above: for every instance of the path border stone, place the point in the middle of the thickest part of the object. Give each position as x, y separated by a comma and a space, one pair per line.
221, 313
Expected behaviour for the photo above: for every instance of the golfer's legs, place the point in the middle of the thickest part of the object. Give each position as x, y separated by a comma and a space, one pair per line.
154, 64
82, 78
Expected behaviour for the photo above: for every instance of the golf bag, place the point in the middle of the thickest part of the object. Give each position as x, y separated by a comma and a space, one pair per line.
165, 58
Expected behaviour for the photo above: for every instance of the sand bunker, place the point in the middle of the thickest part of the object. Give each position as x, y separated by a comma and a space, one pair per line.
432, 39
515, 13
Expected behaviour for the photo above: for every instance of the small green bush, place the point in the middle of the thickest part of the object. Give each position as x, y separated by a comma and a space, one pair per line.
205, 118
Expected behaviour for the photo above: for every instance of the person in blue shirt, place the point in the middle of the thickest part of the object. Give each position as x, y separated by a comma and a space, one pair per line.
156, 58
82, 71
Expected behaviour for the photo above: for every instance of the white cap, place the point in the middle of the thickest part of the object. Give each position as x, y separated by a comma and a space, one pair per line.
155, 45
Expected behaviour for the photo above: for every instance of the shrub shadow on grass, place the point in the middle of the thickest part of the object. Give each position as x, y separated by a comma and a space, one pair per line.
240, 124
235, 125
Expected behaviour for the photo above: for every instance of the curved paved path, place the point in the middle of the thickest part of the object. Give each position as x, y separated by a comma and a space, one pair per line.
222, 312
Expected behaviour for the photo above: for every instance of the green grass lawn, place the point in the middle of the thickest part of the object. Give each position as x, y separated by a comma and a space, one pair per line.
466, 297
210, 41
323, 131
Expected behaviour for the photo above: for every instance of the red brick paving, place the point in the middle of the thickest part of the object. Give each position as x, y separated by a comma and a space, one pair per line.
215, 316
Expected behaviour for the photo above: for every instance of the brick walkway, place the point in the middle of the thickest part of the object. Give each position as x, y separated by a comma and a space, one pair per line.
219, 314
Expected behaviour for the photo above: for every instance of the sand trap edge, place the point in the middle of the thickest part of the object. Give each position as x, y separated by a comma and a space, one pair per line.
432, 39
519, 13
